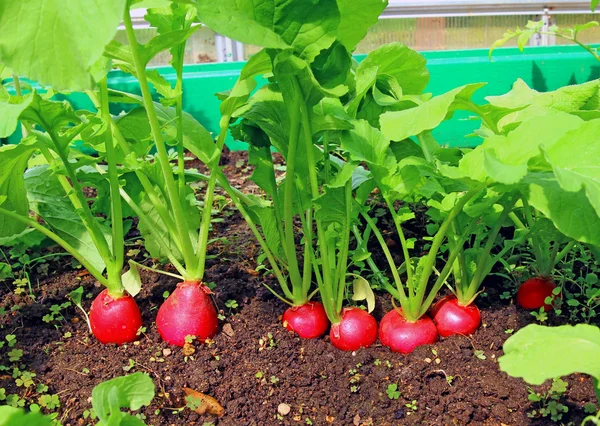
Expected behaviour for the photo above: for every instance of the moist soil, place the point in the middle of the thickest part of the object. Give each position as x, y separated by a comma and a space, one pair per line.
253, 365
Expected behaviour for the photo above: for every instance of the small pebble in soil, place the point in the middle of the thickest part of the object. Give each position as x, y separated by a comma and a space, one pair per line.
166, 352
283, 409
399, 414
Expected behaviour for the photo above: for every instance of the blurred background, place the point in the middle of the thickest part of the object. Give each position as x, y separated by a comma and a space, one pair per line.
425, 25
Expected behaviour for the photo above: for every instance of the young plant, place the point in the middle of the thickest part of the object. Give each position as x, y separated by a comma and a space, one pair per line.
56, 193
156, 191
311, 71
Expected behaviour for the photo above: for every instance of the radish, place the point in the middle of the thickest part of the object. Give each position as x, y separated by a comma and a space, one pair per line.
188, 311
450, 317
115, 320
404, 336
533, 293
308, 321
357, 329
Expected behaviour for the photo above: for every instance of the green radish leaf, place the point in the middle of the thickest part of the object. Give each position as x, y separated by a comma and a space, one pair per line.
76, 295
399, 125
571, 212
56, 42
594, 5
11, 108
305, 26
575, 161
132, 392
13, 162
526, 352
567, 99
356, 17
131, 280
406, 66
164, 42
363, 291
48, 200
10, 416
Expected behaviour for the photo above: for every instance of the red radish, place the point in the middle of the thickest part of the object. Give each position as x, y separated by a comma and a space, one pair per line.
188, 311
403, 336
308, 320
115, 320
533, 293
357, 329
450, 317
433, 310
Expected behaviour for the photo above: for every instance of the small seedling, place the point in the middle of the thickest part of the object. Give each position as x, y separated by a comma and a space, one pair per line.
392, 391
549, 403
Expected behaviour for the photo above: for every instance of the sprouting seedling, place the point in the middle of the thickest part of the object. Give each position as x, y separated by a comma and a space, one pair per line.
75, 296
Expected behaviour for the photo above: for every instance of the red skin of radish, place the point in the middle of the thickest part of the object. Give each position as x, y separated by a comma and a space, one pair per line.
115, 320
533, 293
402, 336
357, 329
188, 311
450, 317
307, 321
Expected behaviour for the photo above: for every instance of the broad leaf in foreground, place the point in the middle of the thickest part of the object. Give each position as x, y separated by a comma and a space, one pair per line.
537, 353
56, 42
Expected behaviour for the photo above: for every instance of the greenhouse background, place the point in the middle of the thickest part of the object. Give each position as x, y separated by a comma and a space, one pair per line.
421, 25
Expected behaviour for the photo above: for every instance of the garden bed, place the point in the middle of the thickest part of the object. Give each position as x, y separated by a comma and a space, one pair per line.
254, 364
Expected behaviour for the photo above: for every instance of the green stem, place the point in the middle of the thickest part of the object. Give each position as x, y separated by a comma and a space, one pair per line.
407, 259
288, 196
149, 189
437, 243
342, 262
561, 255
307, 271
116, 268
152, 226
574, 40
263, 245
209, 197
483, 263
328, 298
163, 158
404, 301
61, 242
75, 194
157, 271
541, 258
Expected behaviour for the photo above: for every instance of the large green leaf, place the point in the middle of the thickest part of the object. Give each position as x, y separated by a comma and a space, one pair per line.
538, 353
576, 161
13, 162
306, 26
56, 42
567, 99
397, 60
355, 19
48, 200
506, 158
132, 392
11, 108
571, 212
399, 125
10, 416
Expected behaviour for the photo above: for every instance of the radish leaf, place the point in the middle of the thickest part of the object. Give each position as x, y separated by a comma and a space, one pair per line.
527, 352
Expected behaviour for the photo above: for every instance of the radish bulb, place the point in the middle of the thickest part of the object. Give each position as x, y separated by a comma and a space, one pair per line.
115, 320
357, 329
188, 311
403, 336
450, 317
533, 293
307, 321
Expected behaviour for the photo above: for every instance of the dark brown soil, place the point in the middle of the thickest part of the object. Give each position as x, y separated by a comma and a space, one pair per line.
254, 364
